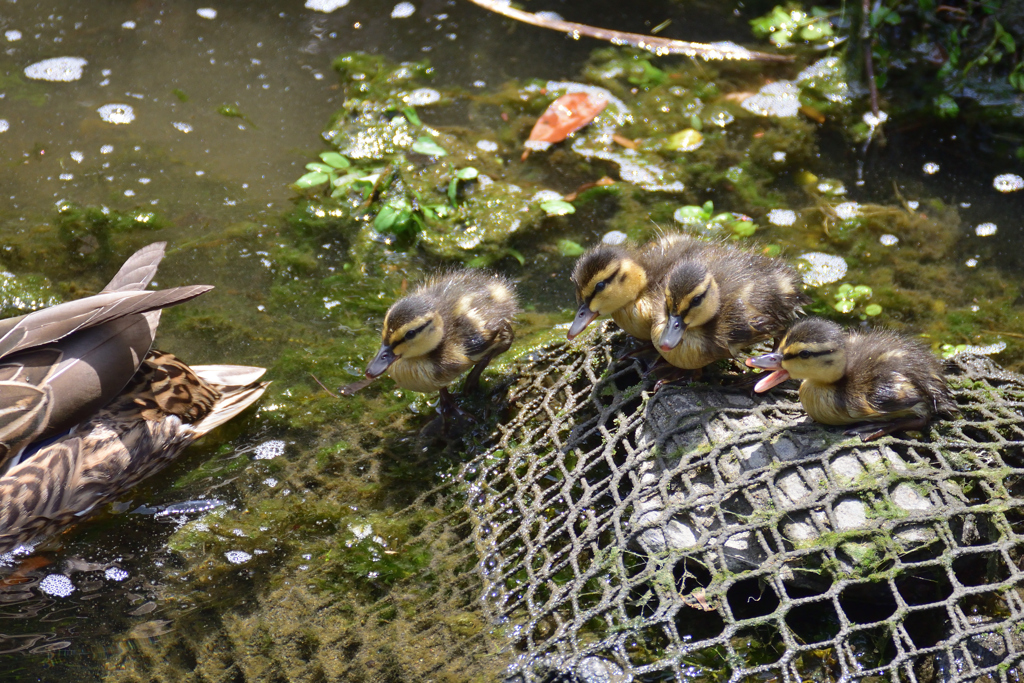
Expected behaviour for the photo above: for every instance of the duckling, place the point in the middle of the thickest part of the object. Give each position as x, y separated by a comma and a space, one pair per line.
723, 299
625, 282
876, 377
87, 410
454, 321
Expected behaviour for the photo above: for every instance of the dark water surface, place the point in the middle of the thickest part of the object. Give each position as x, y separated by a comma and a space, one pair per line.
221, 183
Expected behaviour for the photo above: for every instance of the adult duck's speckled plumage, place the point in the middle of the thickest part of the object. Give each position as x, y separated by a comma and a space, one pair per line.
876, 377
721, 299
626, 282
87, 411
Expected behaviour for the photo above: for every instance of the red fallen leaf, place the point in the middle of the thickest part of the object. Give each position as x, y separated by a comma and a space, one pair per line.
565, 115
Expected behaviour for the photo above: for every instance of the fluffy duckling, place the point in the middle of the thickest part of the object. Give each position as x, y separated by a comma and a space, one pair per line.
626, 283
454, 321
888, 381
721, 300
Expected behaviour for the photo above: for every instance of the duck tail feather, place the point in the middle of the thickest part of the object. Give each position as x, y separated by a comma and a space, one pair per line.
231, 403
228, 377
138, 270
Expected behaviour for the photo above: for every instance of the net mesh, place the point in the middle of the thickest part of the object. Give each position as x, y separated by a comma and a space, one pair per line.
701, 531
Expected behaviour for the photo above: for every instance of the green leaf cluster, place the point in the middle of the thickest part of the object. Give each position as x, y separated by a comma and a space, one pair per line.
783, 25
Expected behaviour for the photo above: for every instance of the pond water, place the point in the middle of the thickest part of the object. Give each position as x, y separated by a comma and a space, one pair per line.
190, 121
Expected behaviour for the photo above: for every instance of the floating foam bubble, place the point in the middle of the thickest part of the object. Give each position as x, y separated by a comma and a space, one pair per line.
237, 556
269, 450
77, 156
931, 168
117, 113
183, 127
4, 126
106, 149
58, 69
780, 98
487, 146
848, 210
115, 574
913, 204
823, 268
985, 230
971, 262
1008, 182
207, 12
12, 35
129, 25
614, 237
889, 240
545, 196
778, 156
782, 217
325, 6
422, 96
57, 585
403, 10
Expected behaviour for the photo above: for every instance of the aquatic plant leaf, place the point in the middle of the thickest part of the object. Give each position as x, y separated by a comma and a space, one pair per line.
425, 145
556, 207
322, 168
570, 248
743, 229
873, 309
566, 115
335, 160
411, 116
311, 179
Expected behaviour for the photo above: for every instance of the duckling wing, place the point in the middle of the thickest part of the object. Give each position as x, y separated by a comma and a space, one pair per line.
54, 323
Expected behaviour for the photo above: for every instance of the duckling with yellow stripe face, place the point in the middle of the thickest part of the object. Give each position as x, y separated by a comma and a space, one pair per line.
721, 300
454, 321
625, 283
877, 377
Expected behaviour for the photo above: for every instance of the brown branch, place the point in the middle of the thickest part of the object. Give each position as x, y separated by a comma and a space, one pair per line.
868, 43
659, 46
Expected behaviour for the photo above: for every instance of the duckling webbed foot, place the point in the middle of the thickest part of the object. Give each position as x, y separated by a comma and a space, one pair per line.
449, 410
678, 377
871, 431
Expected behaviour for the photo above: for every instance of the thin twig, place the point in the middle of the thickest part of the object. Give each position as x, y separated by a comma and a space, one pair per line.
322, 385
868, 43
659, 46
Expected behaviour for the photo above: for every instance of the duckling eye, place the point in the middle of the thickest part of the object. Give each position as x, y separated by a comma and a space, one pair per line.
599, 287
805, 354
411, 334
695, 301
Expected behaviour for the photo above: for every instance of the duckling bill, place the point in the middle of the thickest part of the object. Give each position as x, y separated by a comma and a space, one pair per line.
625, 282
721, 299
877, 377
451, 323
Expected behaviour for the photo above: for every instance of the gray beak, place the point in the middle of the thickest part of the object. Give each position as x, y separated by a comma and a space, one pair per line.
769, 361
673, 333
584, 317
381, 362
